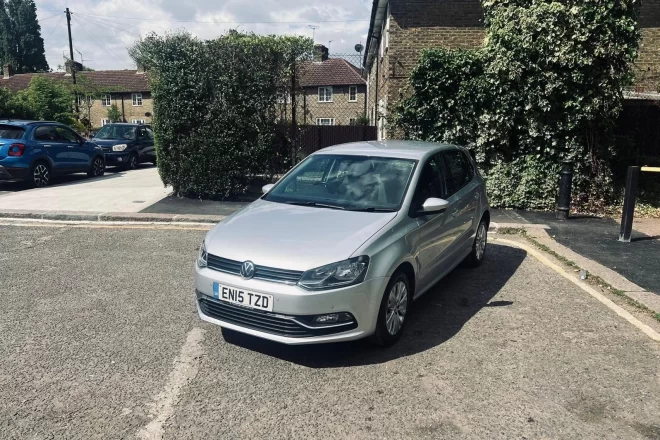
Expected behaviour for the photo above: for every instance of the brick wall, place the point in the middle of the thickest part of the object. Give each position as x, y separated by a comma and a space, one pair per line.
648, 63
340, 109
98, 111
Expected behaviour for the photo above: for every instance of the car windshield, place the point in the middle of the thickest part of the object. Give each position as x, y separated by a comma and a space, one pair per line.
126, 132
346, 182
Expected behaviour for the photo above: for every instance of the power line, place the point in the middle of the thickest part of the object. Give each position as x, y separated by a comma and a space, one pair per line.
99, 43
56, 25
98, 22
228, 22
52, 16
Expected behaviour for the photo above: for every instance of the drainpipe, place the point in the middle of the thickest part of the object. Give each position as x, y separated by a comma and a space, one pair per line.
123, 117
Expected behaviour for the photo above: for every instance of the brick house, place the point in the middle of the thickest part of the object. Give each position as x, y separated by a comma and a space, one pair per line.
401, 29
128, 89
331, 91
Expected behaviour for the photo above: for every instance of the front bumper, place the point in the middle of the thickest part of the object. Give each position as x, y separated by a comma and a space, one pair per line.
116, 158
290, 301
13, 173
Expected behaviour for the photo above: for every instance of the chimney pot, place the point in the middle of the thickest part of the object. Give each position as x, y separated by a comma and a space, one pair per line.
8, 71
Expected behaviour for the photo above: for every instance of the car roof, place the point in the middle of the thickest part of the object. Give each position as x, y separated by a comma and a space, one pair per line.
20, 122
389, 148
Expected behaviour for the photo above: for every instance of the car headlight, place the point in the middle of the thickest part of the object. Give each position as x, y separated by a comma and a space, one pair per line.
341, 274
202, 256
119, 147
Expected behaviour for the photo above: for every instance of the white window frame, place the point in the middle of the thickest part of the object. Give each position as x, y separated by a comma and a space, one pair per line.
352, 89
137, 121
325, 94
284, 97
80, 98
136, 98
331, 120
106, 100
104, 122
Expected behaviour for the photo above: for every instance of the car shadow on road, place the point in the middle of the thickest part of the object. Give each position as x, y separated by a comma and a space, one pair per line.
435, 318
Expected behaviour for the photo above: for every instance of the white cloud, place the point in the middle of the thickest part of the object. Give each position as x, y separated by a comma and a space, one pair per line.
103, 30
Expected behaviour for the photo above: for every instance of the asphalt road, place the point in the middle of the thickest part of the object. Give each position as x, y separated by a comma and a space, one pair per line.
99, 338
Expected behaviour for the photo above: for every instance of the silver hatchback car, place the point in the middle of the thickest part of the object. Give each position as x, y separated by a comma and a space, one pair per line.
340, 247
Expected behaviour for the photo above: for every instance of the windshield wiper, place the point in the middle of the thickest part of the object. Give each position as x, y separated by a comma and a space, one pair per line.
372, 209
314, 204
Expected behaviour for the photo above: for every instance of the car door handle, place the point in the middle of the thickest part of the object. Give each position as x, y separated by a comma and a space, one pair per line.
47, 146
69, 146
454, 213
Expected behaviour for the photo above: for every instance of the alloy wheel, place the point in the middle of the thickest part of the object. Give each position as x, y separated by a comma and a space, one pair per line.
133, 162
98, 167
480, 245
40, 176
397, 306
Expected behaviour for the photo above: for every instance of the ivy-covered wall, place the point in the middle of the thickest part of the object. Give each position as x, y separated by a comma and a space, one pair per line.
547, 85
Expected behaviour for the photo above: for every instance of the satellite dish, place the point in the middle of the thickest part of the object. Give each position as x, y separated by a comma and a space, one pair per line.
359, 48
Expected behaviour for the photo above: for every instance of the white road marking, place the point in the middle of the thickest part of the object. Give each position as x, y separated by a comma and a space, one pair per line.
648, 331
186, 366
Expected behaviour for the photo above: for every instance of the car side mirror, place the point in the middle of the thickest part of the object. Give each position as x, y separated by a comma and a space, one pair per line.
433, 205
267, 188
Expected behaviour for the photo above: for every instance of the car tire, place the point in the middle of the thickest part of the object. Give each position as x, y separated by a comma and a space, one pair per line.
478, 252
97, 168
133, 162
391, 321
39, 175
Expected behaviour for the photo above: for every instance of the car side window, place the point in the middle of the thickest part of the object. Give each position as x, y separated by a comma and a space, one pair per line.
460, 170
150, 133
67, 135
46, 133
142, 133
430, 183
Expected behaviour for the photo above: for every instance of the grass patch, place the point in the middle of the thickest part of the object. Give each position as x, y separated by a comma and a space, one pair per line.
591, 279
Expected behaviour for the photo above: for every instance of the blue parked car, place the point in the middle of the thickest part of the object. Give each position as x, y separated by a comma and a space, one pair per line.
126, 145
35, 151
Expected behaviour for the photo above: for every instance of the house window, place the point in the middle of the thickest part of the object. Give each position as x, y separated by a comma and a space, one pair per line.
352, 94
106, 101
283, 97
104, 122
83, 100
137, 99
352, 121
325, 121
325, 94
137, 121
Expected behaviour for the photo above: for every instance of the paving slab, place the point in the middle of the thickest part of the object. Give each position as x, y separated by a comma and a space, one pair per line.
598, 239
117, 191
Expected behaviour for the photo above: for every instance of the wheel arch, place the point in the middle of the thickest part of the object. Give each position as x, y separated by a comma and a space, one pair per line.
407, 268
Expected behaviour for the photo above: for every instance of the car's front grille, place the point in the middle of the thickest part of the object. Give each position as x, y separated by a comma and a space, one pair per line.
263, 321
260, 272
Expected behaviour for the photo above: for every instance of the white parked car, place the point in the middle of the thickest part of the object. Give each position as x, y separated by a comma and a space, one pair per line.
340, 247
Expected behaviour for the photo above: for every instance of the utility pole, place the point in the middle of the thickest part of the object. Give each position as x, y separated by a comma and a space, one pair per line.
73, 65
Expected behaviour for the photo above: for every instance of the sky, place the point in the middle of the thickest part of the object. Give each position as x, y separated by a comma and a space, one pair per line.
102, 30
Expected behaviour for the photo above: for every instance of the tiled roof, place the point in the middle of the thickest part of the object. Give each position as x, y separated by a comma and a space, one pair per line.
332, 72
110, 80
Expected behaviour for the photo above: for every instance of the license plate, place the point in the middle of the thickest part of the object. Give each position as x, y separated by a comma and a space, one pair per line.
242, 297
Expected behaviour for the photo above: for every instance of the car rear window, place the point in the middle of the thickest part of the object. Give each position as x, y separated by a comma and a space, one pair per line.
11, 132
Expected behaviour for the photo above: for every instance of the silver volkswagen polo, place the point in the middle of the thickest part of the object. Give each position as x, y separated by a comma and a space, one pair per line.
340, 247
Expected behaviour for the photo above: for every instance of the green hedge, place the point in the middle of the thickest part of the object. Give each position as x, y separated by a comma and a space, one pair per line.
214, 106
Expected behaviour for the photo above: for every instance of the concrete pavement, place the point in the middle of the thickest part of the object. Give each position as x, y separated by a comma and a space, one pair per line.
101, 340
117, 191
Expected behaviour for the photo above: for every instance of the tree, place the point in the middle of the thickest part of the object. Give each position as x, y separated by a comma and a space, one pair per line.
48, 100
114, 115
23, 44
